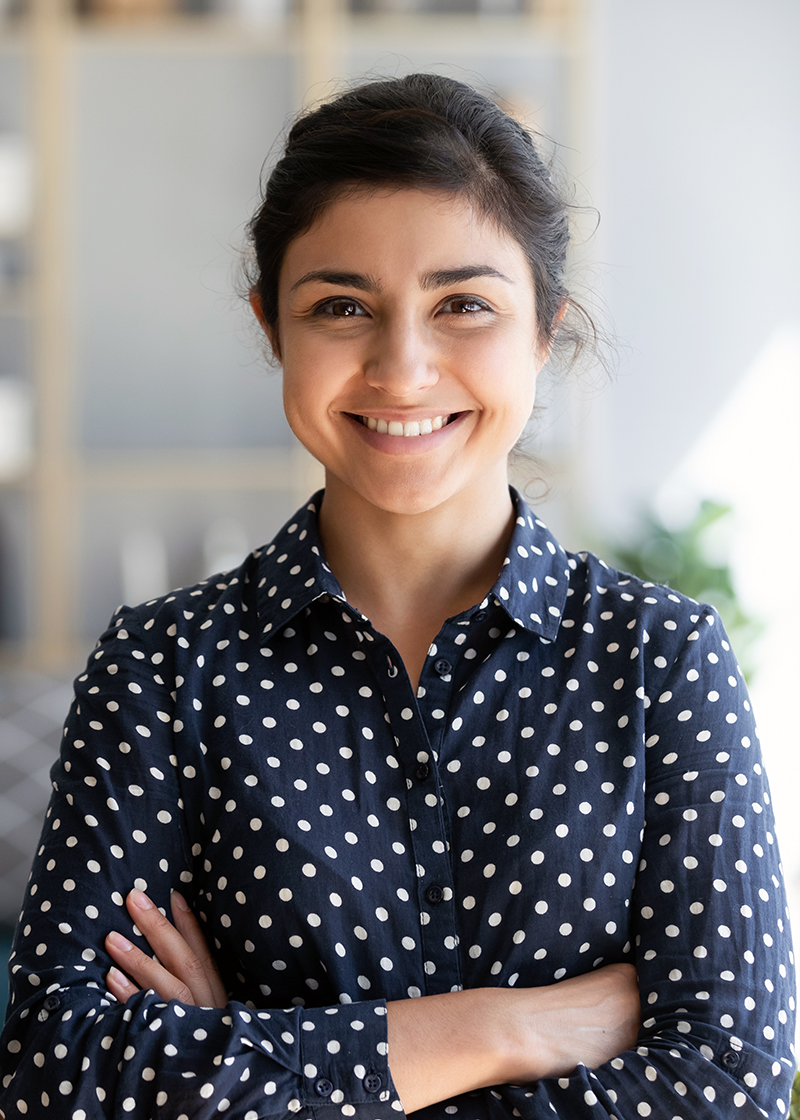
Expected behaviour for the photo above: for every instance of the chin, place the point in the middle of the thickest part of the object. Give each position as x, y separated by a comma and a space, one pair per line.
408, 507
409, 498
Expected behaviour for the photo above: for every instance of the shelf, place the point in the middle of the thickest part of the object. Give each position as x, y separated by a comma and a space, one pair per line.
526, 33
543, 28
164, 471
186, 32
268, 470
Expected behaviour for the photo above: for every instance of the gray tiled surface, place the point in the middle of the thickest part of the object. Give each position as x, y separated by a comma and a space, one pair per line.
32, 711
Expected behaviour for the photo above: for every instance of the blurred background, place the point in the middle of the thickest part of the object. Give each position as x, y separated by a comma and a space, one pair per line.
142, 441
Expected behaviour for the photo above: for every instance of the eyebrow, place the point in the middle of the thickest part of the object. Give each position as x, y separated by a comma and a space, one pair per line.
430, 281
443, 277
338, 279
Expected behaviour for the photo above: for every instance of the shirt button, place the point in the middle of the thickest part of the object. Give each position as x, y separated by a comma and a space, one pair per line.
372, 1082
52, 1003
422, 771
442, 666
730, 1059
434, 894
479, 616
323, 1087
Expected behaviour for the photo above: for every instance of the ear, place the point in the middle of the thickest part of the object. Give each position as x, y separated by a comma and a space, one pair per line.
272, 334
545, 351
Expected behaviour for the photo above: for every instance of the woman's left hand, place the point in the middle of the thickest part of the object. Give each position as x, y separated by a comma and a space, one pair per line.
185, 969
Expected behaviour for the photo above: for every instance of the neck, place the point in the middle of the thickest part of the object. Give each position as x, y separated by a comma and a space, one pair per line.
409, 572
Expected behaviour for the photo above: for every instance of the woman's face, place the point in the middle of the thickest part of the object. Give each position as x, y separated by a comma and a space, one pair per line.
407, 334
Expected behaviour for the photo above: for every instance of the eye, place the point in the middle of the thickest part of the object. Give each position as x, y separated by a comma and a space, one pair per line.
340, 308
464, 305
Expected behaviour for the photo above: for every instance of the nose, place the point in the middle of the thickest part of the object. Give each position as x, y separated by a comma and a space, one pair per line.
403, 361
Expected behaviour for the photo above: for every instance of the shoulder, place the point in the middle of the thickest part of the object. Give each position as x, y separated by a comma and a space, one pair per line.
189, 607
605, 591
224, 610
158, 639
581, 590
620, 610
590, 608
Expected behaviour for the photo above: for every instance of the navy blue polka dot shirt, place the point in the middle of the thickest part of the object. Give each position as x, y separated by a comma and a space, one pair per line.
576, 781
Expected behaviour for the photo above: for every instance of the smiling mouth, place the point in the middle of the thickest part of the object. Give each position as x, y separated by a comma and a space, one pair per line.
409, 428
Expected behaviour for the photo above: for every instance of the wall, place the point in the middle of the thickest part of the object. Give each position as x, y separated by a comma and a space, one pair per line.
694, 162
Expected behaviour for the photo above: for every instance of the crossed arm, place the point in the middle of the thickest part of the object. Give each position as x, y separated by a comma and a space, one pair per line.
718, 999
440, 1045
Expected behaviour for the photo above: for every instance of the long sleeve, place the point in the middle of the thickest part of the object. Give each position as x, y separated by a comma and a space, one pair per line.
116, 820
708, 924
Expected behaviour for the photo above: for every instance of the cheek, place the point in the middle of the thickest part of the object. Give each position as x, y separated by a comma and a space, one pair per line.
308, 387
295, 402
511, 381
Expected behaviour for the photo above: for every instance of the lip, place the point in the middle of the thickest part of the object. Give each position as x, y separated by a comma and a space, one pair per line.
403, 445
409, 416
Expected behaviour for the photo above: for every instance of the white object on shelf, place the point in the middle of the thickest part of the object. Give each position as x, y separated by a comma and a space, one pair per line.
16, 439
15, 185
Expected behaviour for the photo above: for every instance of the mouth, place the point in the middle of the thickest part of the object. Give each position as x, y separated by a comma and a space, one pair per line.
409, 428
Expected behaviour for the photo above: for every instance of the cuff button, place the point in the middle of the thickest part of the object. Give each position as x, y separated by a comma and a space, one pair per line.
52, 1003
730, 1059
323, 1087
372, 1082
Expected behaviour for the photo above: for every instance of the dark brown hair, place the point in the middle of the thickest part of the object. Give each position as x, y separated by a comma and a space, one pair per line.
426, 132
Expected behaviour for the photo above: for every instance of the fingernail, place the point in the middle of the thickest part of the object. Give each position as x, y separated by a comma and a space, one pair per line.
119, 978
179, 901
120, 942
140, 900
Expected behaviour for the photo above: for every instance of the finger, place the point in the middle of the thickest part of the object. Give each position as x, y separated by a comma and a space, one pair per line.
146, 972
172, 951
189, 929
119, 985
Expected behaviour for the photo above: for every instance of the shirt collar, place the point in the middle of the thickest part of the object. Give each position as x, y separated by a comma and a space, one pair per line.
534, 580
531, 588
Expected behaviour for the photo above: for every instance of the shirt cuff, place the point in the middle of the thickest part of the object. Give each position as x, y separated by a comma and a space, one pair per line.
755, 1070
345, 1060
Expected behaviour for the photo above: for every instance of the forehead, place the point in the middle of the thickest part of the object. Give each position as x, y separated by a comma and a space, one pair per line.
402, 232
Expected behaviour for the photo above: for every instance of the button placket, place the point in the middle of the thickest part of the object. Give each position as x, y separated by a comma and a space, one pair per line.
428, 831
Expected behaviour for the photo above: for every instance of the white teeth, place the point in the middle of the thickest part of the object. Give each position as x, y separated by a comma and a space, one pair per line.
410, 428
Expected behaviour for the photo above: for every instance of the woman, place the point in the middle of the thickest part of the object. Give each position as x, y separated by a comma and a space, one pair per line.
467, 822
